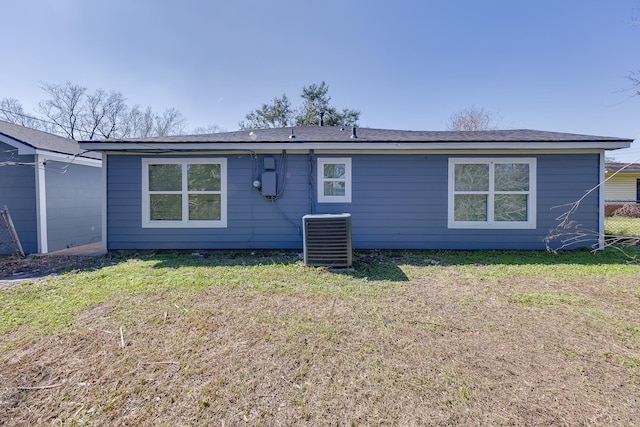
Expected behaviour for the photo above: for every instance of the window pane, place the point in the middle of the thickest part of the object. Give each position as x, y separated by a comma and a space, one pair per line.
470, 207
471, 177
334, 188
165, 177
165, 207
512, 177
336, 170
204, 207
203, 177
510, 207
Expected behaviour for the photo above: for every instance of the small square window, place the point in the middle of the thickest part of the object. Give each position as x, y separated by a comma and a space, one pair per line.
334, 180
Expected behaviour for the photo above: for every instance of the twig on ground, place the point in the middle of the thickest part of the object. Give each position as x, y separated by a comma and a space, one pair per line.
40, 387
121, 338
626, 350
168, 362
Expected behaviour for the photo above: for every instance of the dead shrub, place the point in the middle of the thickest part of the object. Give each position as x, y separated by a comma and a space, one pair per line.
630, 210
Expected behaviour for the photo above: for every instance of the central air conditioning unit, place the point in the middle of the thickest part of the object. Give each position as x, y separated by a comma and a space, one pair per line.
327, 240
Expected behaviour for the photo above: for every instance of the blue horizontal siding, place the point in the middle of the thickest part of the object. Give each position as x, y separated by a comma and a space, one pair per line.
398, 201
74, 205
18, 193
253, 221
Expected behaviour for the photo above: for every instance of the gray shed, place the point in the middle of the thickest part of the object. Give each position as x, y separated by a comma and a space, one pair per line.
52, 189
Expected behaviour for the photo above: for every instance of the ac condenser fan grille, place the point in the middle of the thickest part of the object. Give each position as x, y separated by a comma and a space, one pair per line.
327, 240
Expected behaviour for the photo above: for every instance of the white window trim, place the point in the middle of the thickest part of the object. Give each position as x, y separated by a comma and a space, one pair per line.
185, 222
491, 224
347, 185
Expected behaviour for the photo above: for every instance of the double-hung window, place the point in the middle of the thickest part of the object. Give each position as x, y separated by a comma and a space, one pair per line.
492, 193
334, 180
184, 192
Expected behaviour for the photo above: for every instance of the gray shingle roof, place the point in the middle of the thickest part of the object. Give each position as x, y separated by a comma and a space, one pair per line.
343, 134
611, 167
43, 140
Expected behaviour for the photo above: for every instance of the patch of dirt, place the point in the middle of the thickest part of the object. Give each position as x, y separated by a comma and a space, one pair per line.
14, 269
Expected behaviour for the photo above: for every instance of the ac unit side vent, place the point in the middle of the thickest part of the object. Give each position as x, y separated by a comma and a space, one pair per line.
327, 240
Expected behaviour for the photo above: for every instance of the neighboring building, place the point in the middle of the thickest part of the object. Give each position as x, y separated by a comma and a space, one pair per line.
51, 187
622, 185
502, 189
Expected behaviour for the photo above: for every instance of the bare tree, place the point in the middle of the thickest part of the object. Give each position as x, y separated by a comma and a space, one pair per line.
145, 123
71, 111
635, 81
141, 122
170, 122
63, 109
11, 111
473, 118
634, 76
105, 114
206, 130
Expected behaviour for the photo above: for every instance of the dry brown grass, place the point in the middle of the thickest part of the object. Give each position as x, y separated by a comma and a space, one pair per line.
448, 345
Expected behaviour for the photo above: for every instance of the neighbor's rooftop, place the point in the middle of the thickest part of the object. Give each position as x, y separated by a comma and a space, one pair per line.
621, 167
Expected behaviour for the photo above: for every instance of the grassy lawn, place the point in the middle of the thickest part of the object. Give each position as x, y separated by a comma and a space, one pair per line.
622, 226
404, 338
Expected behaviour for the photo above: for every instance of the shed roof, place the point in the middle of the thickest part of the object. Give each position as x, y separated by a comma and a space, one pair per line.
40, 140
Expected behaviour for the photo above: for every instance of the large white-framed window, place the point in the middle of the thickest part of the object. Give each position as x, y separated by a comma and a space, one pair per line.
180, 192
492, 193
334, 180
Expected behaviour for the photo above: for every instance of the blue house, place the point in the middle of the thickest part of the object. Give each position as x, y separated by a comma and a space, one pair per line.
499, 189
51, 188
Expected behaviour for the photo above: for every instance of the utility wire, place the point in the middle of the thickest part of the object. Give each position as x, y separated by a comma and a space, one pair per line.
33, 118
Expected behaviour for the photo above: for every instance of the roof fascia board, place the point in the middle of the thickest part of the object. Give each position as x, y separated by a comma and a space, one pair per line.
178, 153
357, 146
355, 152
465, 152
68, 158
27, 150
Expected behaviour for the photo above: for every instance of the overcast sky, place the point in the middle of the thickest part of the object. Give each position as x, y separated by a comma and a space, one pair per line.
557, 65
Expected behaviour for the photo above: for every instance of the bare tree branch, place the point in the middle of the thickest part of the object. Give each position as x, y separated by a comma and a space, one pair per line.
569, 232
63, 108
206, 130
170, 123
71, 111
473, 118
11, 111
